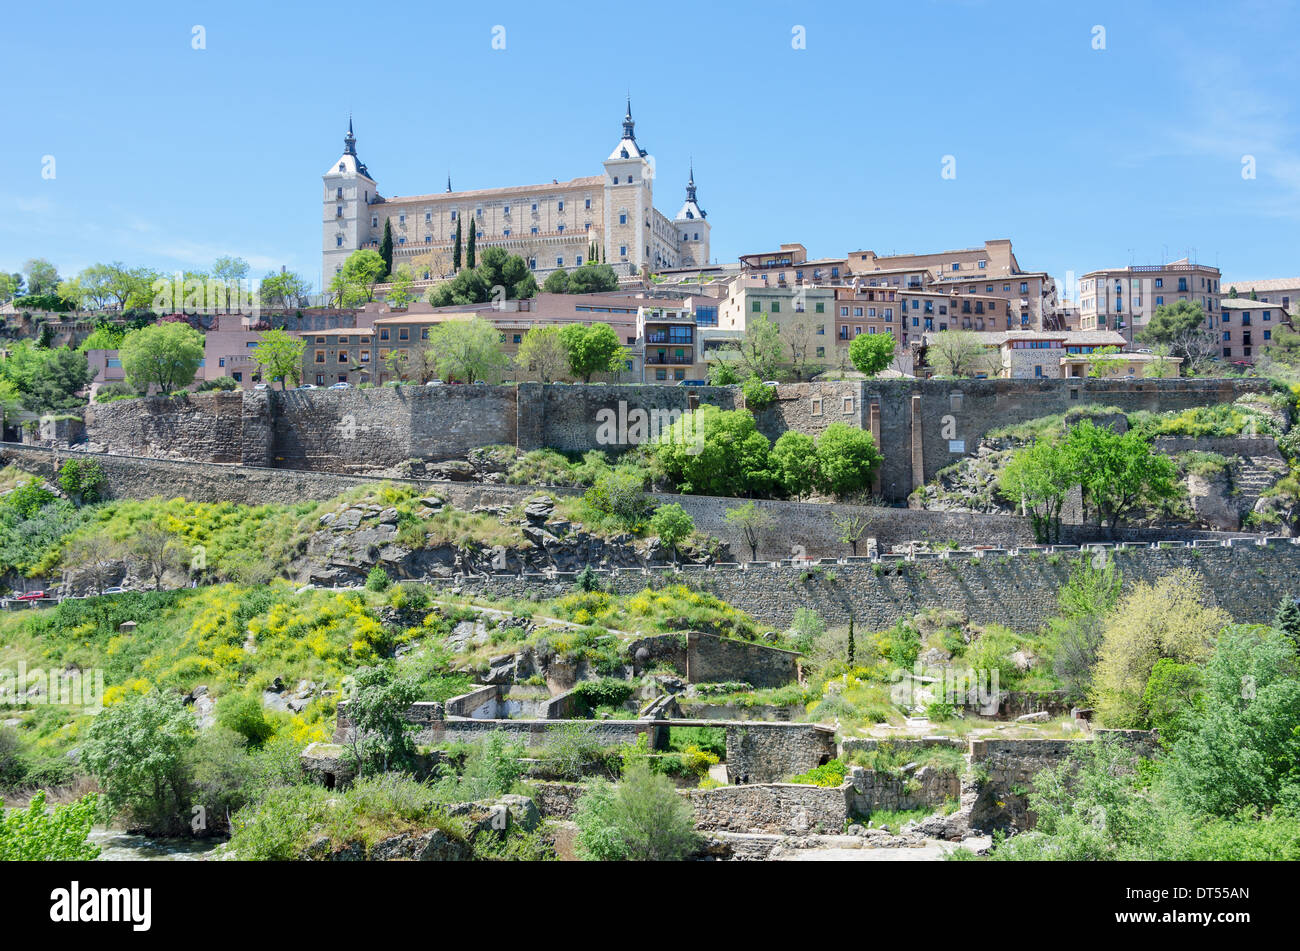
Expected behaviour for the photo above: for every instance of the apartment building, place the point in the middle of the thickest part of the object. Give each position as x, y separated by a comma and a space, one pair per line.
1125, 299
1050, 355
1283, 291
669, 341
1246, 327
791, 264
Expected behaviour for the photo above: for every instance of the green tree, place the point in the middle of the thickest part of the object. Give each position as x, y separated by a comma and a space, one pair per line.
642, 819
82, 480
380, 737
715, 452
1117, 473
794, 463
386, 246
592, 349
557, 282
752, 522
1103, 361
758, 395
872, 353
722, 373
592, 278
361, 271
851, 528
1085, 601
618, 496
455, 249
959, 353
467, 350
166, 355
847, 458
467, 287
673, 525
759, 351
542, 354
136, 750
1171, 696
1287, 620
469, 247
279, 357
284, 290
242, 713
399, 292
1167, 619
59, 835
497, 268
42, 276
1183, 328
1036, 480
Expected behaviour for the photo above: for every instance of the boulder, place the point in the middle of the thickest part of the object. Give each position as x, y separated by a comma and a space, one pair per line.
539, 509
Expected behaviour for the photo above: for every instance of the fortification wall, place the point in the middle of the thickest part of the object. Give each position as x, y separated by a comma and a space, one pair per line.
922, 425
1018, 590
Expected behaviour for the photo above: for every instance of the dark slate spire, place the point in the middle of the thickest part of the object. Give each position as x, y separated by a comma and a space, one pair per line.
349, 140
690, 183
448, 181
628, 125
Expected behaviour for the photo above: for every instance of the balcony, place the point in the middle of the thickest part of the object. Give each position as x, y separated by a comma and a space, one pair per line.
659, 360
675, 339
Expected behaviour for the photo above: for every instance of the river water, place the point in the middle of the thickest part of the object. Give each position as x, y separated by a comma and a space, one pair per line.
119, 846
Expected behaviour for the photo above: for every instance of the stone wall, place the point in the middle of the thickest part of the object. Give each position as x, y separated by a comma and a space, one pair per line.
770, 751
1018, 590
775, 808
707, 658
872, 790
922, 425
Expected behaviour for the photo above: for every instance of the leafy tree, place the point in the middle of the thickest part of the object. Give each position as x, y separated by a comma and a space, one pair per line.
618, 495
279, 357
399, 291
592, 278
592, 349
136, 750
1037, 480
1103, 361
872, 353
46, 380
959, 353
378, 579
641, 819
847, 458
59, 835
1242, 751
1182, 327
42, 276
542, 354
759, 350
851, 528
386, 246
284, 290
82, 480
1171, 696
673, 525
1117, 472
380, 737
722, 373
360, 273
752, 522
154, 550
758, 395
1084, 600
242, 713
1167, 619
715, 452
467, 350
165, 355
794, 463
93, 560
467, 287
11, 285
497, 268
557, 282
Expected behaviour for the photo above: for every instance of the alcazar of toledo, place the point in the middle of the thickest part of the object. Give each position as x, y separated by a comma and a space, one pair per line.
609, 217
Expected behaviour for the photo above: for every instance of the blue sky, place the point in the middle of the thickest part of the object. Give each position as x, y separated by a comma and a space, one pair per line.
170, 156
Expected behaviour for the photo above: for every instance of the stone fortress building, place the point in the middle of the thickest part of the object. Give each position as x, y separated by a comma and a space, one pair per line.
552, 226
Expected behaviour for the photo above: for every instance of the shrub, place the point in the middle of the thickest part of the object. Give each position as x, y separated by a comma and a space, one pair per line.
242, 713
641, 819
34, 835
828, 774
378, 579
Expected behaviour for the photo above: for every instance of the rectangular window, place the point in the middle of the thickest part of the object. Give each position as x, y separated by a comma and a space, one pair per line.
403, 333
820, 308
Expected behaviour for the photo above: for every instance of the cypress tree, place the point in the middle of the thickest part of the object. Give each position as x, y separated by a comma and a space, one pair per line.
469, 248
1287, 620
386, 246
455, 251
852, 646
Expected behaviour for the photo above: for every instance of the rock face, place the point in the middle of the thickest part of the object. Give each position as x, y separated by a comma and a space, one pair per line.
348, 544
1212, 502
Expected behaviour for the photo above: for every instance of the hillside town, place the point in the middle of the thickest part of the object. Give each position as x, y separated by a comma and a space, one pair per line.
531, 530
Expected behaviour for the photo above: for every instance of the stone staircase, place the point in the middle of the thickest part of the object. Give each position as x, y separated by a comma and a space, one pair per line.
1252, 475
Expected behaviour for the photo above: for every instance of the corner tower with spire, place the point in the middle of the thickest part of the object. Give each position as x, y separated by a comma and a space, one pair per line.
629, 202
692, 228
349, 191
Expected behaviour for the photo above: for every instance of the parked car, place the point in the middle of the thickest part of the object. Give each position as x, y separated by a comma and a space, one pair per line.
434, 383
307, 386
340, 386
262, 386
692, 383
115, 589
29, 596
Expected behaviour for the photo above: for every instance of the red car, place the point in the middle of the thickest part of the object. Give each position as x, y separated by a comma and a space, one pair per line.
30, 596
